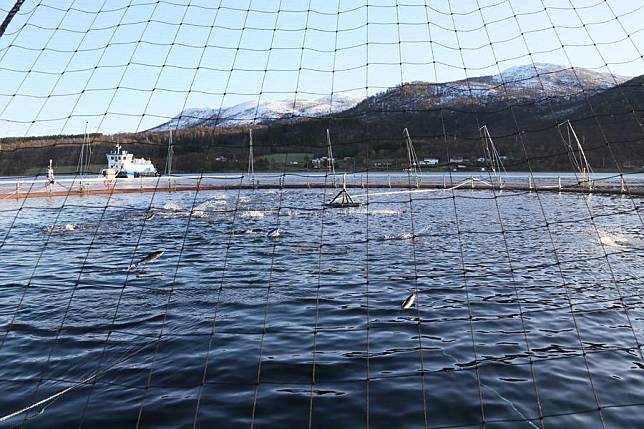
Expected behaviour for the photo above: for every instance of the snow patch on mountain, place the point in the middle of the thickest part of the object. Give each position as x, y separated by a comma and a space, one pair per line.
556, 77
529, 83
252, 112
532, 83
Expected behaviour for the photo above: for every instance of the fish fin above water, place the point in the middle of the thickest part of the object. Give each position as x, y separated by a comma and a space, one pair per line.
409, 302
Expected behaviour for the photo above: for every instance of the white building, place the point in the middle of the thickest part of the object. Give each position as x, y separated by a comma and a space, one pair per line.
431, 162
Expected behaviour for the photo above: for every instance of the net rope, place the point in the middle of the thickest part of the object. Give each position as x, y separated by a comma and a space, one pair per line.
133, 71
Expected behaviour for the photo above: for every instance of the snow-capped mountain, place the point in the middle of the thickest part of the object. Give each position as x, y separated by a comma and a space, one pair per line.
250, 111
530, 83
527, 83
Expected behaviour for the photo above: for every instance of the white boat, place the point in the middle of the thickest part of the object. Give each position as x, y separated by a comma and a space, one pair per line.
121, 164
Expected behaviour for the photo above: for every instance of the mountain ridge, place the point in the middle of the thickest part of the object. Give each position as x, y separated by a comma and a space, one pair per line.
520, 83
250, 112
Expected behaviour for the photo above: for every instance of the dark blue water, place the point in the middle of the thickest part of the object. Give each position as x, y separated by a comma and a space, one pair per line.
529, 311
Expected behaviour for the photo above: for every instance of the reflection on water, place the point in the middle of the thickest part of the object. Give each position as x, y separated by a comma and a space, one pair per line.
268, 309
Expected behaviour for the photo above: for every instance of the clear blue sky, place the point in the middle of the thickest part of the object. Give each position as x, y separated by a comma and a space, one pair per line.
62, 60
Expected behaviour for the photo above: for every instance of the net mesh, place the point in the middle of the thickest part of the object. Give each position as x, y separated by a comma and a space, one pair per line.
228, 291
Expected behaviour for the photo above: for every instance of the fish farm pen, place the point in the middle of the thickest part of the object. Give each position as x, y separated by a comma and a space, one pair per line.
611, 184
321, 214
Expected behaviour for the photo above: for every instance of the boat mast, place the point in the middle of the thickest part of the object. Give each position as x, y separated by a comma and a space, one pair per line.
414, 165
331, 162
80, 159
251, 161
168, 161
586, 167
490, 152
89, 147
50, 174
582, 165
82, 153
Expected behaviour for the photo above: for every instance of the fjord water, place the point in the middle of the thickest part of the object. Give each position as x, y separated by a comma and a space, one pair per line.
231, 328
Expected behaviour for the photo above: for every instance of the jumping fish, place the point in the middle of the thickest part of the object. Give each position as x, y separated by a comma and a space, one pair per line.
148, 258
409, 302
612, 240
275, 233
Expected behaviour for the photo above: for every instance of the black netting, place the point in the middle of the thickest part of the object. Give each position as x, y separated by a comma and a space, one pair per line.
347, 213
